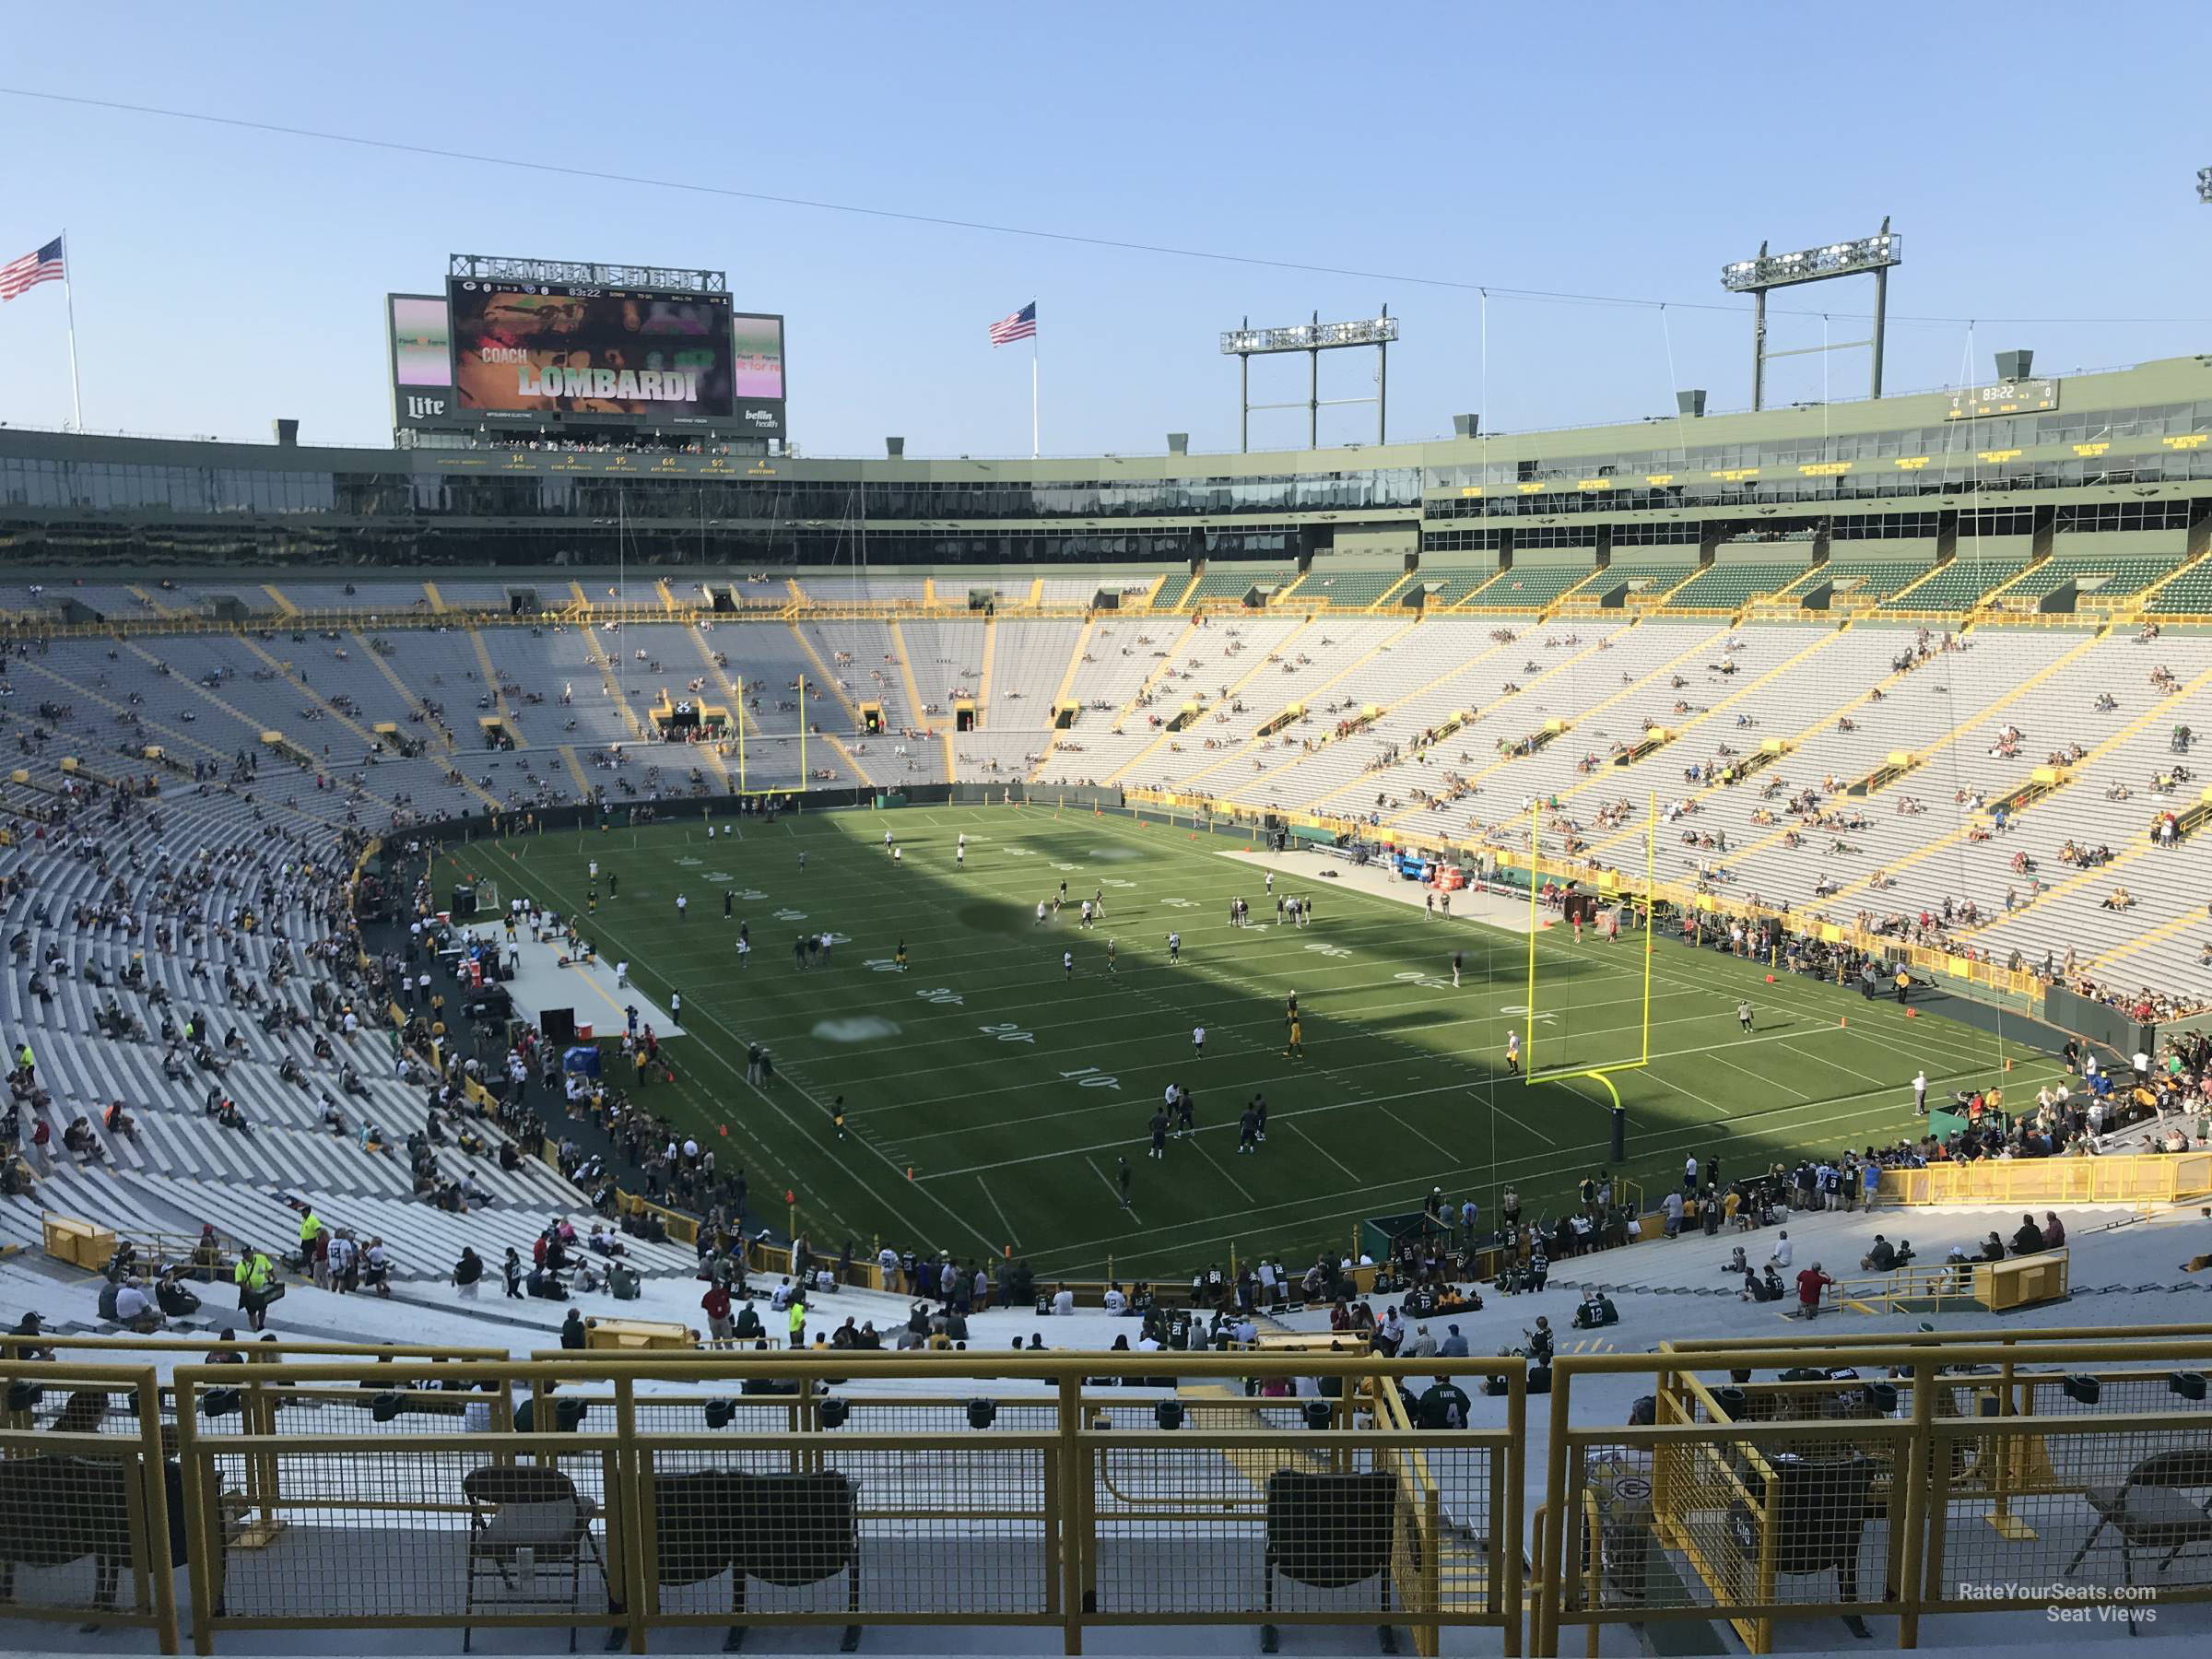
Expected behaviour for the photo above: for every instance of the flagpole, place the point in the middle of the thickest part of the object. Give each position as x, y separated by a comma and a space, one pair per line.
1033, 448
76, 396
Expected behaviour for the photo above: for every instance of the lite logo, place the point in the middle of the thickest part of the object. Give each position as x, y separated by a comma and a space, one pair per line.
423, 408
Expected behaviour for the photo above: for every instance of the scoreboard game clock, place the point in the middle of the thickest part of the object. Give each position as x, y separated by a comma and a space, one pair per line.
2005, 397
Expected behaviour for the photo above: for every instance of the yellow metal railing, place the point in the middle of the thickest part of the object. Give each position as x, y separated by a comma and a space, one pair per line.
1891, 1477
2133, 1179
1774, 1485
581, 1491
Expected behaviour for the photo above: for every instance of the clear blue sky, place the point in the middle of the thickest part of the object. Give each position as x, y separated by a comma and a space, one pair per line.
2038, 160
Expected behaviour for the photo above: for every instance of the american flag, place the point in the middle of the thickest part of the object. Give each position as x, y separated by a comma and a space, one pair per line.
45, 265
1021, 325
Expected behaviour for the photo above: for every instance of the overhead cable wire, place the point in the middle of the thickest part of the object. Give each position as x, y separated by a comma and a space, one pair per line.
985, 227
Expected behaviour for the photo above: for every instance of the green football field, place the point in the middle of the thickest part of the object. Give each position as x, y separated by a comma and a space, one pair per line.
989, 1094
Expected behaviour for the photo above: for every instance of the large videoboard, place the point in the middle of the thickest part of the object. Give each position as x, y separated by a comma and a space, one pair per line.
637, 357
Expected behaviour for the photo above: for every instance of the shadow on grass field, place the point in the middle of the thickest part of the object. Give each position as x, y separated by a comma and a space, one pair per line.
994, 1088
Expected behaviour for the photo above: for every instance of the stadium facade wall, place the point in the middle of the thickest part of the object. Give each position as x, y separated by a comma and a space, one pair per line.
1906, 464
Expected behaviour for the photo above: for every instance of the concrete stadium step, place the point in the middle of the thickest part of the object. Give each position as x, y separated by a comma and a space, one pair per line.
424, 1241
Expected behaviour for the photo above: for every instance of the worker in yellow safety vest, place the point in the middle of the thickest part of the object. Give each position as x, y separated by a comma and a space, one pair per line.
311, 1236
253, 1276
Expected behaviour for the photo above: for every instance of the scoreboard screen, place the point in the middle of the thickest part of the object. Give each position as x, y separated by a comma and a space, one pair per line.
2005, 397
522, 349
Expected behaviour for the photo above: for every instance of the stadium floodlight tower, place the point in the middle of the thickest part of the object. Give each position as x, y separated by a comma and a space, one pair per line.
1866, 255
1312, 338
2204, 184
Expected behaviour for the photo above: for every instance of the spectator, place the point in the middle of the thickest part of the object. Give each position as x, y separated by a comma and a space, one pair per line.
1811, 1284
174, 1297
720, 1327
571, 1330
1760, 1289
132, 1310
468, 1273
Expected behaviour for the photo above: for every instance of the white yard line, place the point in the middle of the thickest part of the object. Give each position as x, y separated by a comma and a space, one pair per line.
1317, 1147
1514, 1169
1416, 1135
1242, 1192
1838, 1064
1031, 1119
999, 1210
1115, 1190
1762, 1082
807, 1134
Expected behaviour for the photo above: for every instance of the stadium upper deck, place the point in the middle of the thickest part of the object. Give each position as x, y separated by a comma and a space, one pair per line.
2126, 453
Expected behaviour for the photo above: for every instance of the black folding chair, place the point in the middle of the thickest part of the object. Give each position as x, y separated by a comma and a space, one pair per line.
781, 1529
1819, 1520
58, 1510
1329, 1532
797, 1529
2149, 1512
521, 1516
